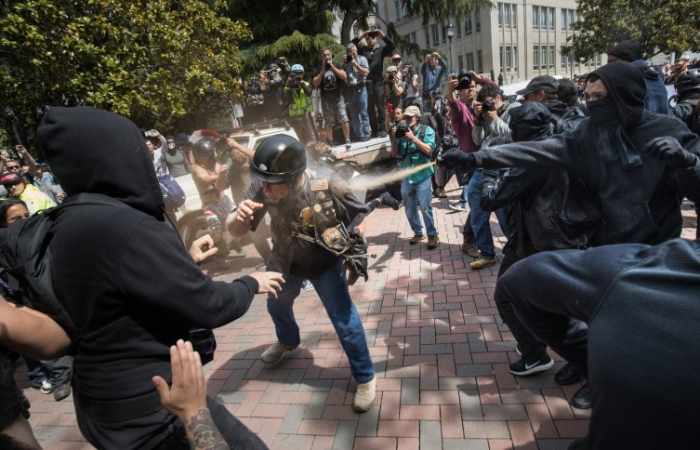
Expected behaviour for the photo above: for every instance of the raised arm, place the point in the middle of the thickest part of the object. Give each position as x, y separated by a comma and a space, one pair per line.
30, 332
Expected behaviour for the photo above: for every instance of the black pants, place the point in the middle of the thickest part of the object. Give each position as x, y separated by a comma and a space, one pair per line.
530, 347
375, 105
57, 371
162, 431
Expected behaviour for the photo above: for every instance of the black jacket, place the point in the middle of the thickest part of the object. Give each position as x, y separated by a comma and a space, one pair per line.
122, 272
639, 198
375, 58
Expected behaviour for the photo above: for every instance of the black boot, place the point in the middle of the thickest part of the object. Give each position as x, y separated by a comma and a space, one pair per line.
582, 397
568, 375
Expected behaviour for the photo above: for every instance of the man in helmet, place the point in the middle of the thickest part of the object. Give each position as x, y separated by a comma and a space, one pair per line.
297, 98
314, 237
210, 178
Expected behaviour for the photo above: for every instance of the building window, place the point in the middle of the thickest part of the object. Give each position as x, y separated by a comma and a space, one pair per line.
413, 37
479, 61
460, 62
458, 26
500, 14
468, 24
544, 17
502, 59
564, 19
535, 17
572, 17
509, 57
536, 57
552, 55
564, 56
477, 16
470, 61
397, 7
515, 58
436, 36
552, 17
444, 33
514, 7
508, 15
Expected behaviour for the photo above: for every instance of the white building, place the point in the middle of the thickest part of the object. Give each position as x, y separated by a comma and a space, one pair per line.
521, 39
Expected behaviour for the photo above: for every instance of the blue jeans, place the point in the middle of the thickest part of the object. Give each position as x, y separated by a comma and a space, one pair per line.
332, 288
479, 219
359, 117
418, 197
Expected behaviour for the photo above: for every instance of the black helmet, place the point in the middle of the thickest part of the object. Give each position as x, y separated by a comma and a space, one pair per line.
204, 144
688, 83
279, 159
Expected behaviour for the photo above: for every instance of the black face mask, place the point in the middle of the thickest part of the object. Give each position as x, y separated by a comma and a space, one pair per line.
603, 111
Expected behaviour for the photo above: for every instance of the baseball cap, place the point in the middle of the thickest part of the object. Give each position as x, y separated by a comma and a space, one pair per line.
545, 82
411, 111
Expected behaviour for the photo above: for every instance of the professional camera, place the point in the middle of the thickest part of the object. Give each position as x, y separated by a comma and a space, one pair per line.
274, 74
487, 106
465, 79
401, 129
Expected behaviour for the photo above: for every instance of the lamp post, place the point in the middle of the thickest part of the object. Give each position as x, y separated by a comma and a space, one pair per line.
450, 35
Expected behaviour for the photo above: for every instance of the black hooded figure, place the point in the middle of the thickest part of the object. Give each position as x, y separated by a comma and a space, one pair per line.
633, 179
128, 283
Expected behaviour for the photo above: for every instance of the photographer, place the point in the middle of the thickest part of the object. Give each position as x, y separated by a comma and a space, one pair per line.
330, 79
434, 68
378, 47
272, 85
297, 97
394, 89
415, 144
357, 69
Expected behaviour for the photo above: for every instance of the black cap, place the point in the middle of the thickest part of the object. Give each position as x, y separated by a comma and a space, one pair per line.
627, 51
279, 159
542, 82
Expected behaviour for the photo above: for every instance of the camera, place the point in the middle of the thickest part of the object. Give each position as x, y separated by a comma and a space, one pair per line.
465, 79
487, 106
401, 129
274, 74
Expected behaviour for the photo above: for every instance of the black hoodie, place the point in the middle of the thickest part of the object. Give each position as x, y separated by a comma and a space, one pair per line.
122, 272
638, 194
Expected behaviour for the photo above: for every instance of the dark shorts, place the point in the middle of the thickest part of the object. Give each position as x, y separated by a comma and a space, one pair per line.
334, 111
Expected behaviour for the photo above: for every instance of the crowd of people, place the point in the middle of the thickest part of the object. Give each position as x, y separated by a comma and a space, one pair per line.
586, 181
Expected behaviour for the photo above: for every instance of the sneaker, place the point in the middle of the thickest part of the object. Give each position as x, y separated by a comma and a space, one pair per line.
523, 368
582, 398
433, 242
364, 396
46, 387
482, 262
457, 207
568, 375
469, 249
416, 239
62, 392
275, 354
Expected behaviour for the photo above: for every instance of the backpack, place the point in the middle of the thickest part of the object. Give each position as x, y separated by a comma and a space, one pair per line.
25, 259
173, 195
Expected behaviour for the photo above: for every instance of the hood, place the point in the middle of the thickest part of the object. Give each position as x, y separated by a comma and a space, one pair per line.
648, 71
626, 89
531, 122
95, 151
556, 107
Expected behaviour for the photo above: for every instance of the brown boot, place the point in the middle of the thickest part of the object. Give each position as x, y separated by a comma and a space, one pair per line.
469, 249
416, 239
433, 242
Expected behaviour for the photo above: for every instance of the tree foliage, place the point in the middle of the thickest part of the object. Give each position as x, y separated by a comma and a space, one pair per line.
659, 25
160, 62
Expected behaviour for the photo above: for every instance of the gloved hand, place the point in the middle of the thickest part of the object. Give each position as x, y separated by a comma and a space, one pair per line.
671, 151
457, 160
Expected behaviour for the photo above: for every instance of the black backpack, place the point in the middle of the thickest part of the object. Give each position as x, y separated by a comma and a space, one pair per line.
25, 259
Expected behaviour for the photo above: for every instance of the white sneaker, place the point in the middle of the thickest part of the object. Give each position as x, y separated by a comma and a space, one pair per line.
364, 396
275, 354
46, 387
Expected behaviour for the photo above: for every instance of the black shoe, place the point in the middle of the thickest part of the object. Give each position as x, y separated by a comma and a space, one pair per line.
522, 367
582, 397
568, 375
61, 392
389, 200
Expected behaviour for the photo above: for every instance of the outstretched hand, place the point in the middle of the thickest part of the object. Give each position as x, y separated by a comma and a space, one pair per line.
187, 393
268, 282
203, 248
669, 150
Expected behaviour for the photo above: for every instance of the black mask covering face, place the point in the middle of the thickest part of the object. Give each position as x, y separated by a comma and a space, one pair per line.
603, 111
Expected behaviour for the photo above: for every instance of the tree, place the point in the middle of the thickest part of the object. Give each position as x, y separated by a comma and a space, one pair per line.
659, 25
160, 62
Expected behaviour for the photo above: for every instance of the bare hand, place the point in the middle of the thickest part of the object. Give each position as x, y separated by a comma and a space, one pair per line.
269, 282
452, 84
188, 392
246, 211
409, 135
203, 248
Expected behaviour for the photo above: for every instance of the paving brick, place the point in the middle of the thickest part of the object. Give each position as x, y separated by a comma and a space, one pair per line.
398, 428
522, 435
465, 444
345, 435
318, 427
474, 370
430, 435
368, 422
504, 412
382, 443
486, 429
439, 398
289, 441
292, 421
572, 428
500, 444
390, 408
408, 443
541, 421
557, 404
322, 443
420, 412
410, 391
451, 421
471, 406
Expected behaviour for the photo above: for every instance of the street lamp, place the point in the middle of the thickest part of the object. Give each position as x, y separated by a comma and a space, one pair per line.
450, 35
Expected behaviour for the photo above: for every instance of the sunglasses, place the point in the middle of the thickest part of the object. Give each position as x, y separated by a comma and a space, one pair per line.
13, 167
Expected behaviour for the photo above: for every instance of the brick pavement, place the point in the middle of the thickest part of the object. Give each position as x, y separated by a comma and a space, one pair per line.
440, 352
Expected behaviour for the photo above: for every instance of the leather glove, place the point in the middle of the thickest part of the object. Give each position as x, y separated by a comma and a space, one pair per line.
457, 160
669, 150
